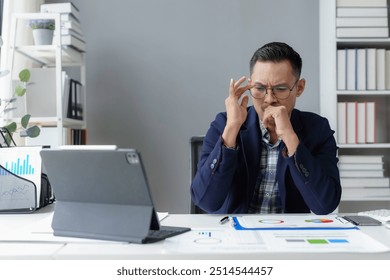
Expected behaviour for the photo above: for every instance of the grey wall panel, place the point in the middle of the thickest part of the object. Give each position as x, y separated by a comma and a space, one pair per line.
158, 72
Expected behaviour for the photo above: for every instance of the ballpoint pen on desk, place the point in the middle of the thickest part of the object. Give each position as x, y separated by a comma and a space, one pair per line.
224, 220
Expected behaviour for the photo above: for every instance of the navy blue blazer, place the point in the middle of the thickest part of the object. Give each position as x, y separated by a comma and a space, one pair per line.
309, 181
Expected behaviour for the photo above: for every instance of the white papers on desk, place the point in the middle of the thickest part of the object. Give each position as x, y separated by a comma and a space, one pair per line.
290, 241
216, 241
260, 222
318, 241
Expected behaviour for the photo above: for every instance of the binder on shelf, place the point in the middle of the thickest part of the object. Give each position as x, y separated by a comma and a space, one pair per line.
361, 66
65, 93
356, 122
351, 122
361, 124
75, 101
342, 122
371, 69
370, 122
351, 69
363, 69
341, 69
78, 137
380, 69
387, 69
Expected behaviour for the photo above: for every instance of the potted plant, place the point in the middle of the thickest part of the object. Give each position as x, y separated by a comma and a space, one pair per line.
43, 30
25, 130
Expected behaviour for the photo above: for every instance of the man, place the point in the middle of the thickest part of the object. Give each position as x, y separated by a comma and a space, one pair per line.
269, 157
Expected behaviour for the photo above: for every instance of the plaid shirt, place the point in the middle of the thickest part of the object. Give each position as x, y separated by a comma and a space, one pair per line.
266, 198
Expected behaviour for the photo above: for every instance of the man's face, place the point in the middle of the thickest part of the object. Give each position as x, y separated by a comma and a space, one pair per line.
271, 75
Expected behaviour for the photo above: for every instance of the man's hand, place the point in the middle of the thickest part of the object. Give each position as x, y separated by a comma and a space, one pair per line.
277, 121
236, 110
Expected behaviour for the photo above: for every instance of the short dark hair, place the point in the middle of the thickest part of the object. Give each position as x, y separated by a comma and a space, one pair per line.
277, 52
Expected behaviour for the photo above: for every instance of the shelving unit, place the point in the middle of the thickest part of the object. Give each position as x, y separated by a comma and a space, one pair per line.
330, 95
55, 56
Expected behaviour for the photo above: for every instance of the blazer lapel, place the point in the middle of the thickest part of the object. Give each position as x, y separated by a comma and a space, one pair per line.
250, 143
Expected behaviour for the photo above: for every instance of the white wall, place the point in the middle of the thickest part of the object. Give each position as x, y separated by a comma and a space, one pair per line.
158, 72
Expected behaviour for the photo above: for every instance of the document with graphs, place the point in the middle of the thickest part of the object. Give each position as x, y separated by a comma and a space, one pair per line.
20, 178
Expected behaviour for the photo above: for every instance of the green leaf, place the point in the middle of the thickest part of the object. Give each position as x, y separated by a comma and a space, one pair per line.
20, 90
33, 131
8, 138
11, 127
25, 120
24, 75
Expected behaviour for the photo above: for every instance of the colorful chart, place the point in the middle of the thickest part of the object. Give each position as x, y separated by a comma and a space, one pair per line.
319, 221
318, 241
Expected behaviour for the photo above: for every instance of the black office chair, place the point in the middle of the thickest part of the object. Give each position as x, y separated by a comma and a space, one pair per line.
196, 147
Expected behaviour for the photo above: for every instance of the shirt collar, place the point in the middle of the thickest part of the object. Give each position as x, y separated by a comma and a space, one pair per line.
264, 132
266, 137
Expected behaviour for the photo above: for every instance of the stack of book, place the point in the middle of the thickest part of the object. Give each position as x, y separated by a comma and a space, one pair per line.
362, 18
71, 32
356, 122
363, 69
362, 171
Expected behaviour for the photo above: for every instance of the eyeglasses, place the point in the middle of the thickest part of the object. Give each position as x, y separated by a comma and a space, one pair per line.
279, 92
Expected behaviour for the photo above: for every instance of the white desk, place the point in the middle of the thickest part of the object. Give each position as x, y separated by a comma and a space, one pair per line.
49, 247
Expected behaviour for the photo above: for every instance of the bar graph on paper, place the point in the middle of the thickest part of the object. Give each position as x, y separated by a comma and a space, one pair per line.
24, 162
21, 166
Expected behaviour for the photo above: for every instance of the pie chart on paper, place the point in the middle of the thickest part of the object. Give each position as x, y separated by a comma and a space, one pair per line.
319, 221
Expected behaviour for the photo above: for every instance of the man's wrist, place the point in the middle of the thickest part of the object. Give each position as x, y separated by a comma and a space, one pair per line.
291, 143
286, 153
231, 147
